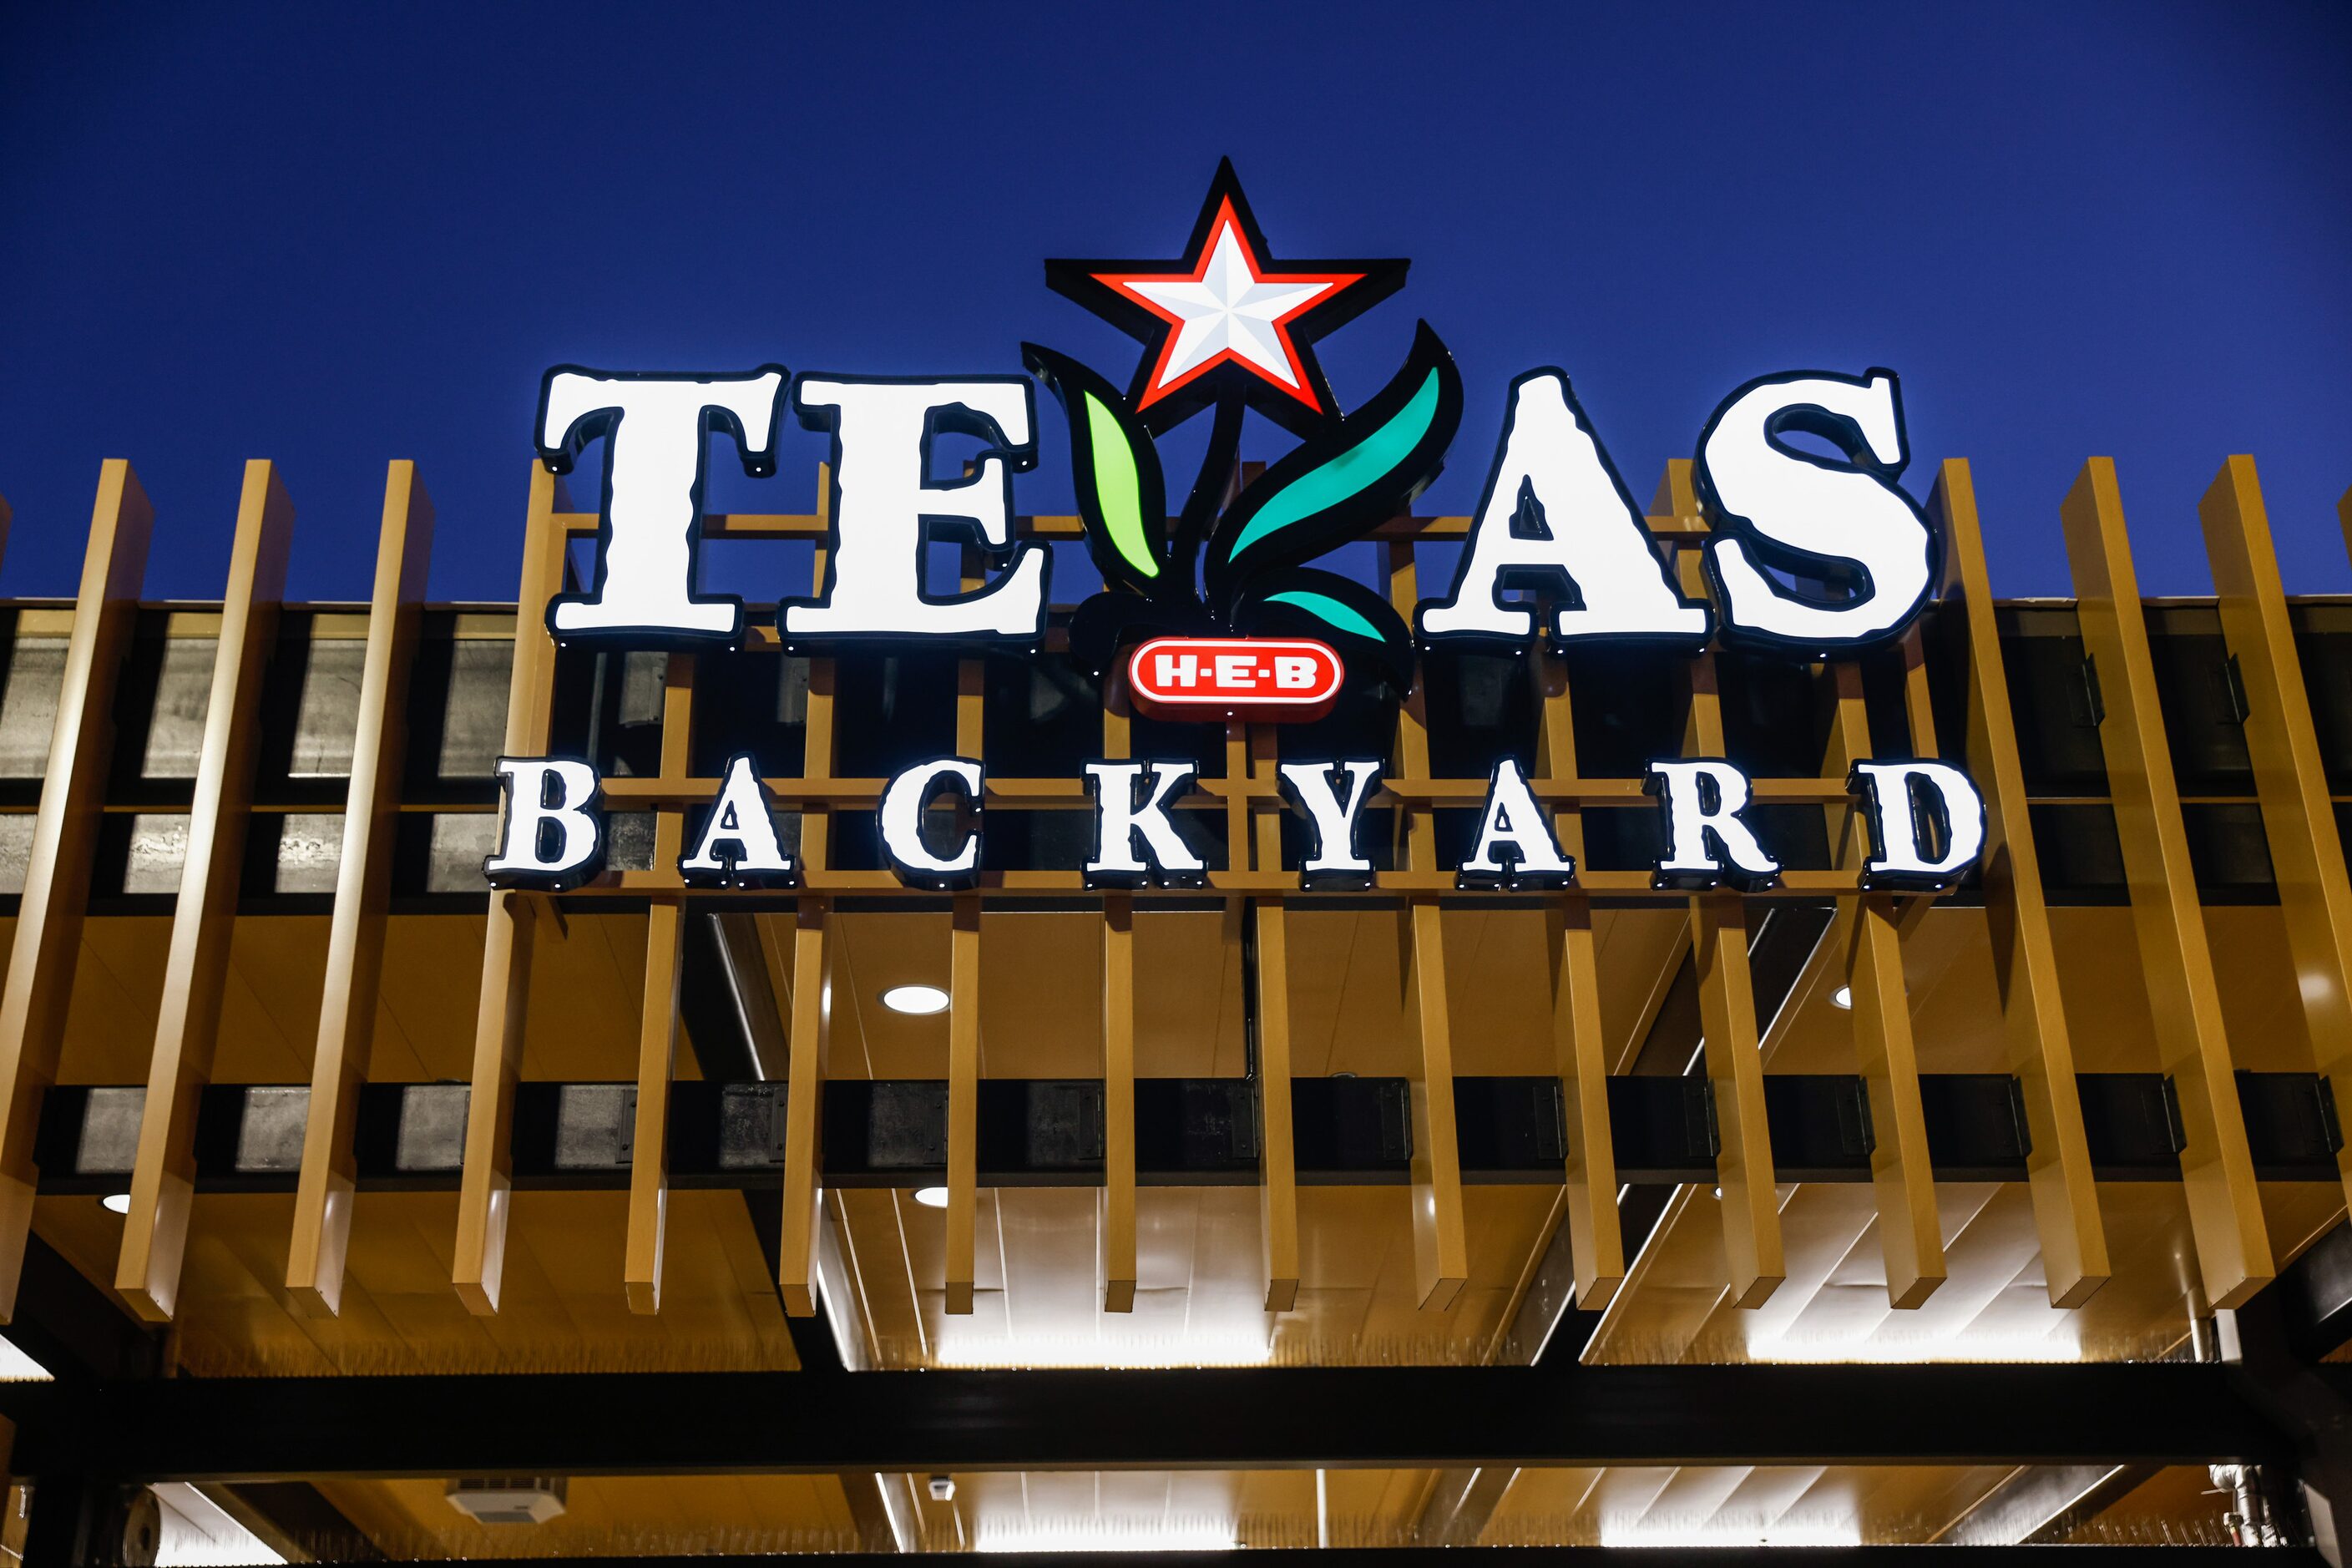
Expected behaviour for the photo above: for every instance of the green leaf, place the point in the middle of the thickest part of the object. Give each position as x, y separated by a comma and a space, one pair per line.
1118, 490
1351, 472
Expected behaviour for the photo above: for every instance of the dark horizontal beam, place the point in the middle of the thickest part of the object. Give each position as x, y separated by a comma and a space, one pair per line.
1188, 1131
1444, 1557
203, 1430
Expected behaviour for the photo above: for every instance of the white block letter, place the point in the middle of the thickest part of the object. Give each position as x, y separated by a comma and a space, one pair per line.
643, 591
1926, 823
902, 820
883, 500
1861, 548
1516, 847
1556, 515
1707, 843
1137, 842
738, 845
552, 838
1336, 859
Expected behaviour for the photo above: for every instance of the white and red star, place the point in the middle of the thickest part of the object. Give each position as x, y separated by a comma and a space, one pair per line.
1226, 319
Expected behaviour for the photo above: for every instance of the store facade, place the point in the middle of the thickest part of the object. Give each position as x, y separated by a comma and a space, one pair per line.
1583, 1023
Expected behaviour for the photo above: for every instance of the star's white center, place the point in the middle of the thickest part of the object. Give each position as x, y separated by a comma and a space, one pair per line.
1230, 311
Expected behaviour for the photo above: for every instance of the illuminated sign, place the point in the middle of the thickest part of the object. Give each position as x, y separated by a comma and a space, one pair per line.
1270, 679
1227, 603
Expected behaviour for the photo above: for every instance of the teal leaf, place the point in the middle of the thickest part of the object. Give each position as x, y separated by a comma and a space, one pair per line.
1324, 607
1359, 472
1351, 473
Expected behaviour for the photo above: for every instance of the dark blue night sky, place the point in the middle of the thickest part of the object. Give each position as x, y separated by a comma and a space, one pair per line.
334, 235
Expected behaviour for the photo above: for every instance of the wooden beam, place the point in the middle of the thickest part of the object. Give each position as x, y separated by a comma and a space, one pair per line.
1119, 1104
2225, 1213
1910, 1235
48, 941
1748, 1196
657, 1012
1277, 1146
963, 1099
1441, 1241
322, 1204
478, 1263
1580, 1049
2298, 816
2025, 961
812, 1019
195, 970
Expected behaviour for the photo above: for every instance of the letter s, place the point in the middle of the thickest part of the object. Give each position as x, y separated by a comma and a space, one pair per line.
1863, 553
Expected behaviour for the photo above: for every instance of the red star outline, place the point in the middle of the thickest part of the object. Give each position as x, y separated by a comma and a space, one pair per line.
1301, 386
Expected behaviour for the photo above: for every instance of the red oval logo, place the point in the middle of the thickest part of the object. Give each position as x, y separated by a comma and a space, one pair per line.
1272, 679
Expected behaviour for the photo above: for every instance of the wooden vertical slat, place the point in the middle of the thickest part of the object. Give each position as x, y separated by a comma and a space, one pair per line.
1749, 1199
657, 1011
963, 1098
817, 723
2225, 1211
355, 932
47, 939
1119, 1104
1910, 1235
812, 1020
2025, 961
195, 970
1596, 1244
1277, 1149
486, 1187
1440, 1242
2298, 816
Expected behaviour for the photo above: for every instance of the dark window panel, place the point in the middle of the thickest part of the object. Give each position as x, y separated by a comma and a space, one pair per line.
2057, 733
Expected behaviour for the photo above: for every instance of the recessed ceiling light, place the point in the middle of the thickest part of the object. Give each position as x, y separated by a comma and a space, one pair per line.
116, 1203
1842, 997
919, 1000
931, 1197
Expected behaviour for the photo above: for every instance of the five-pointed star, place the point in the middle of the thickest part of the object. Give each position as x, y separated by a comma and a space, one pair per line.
1226, 322
1231, 308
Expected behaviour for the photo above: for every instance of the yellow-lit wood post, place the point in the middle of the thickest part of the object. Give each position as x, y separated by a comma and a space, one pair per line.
355, 932
657, 1012
816, 729
811, 1018
1596, 1245
963, 1099
1910, 1236
1119, 1104
57, 873
2025, 959
1277, 1148
1751, 1200
1440, 1243
195, 970
1441, 1231
2217, 1170
2298, 816
486, 1187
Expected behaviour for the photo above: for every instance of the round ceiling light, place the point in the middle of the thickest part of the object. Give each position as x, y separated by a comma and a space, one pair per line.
931, 1197
1842, 997
918, 1000
115, 1203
